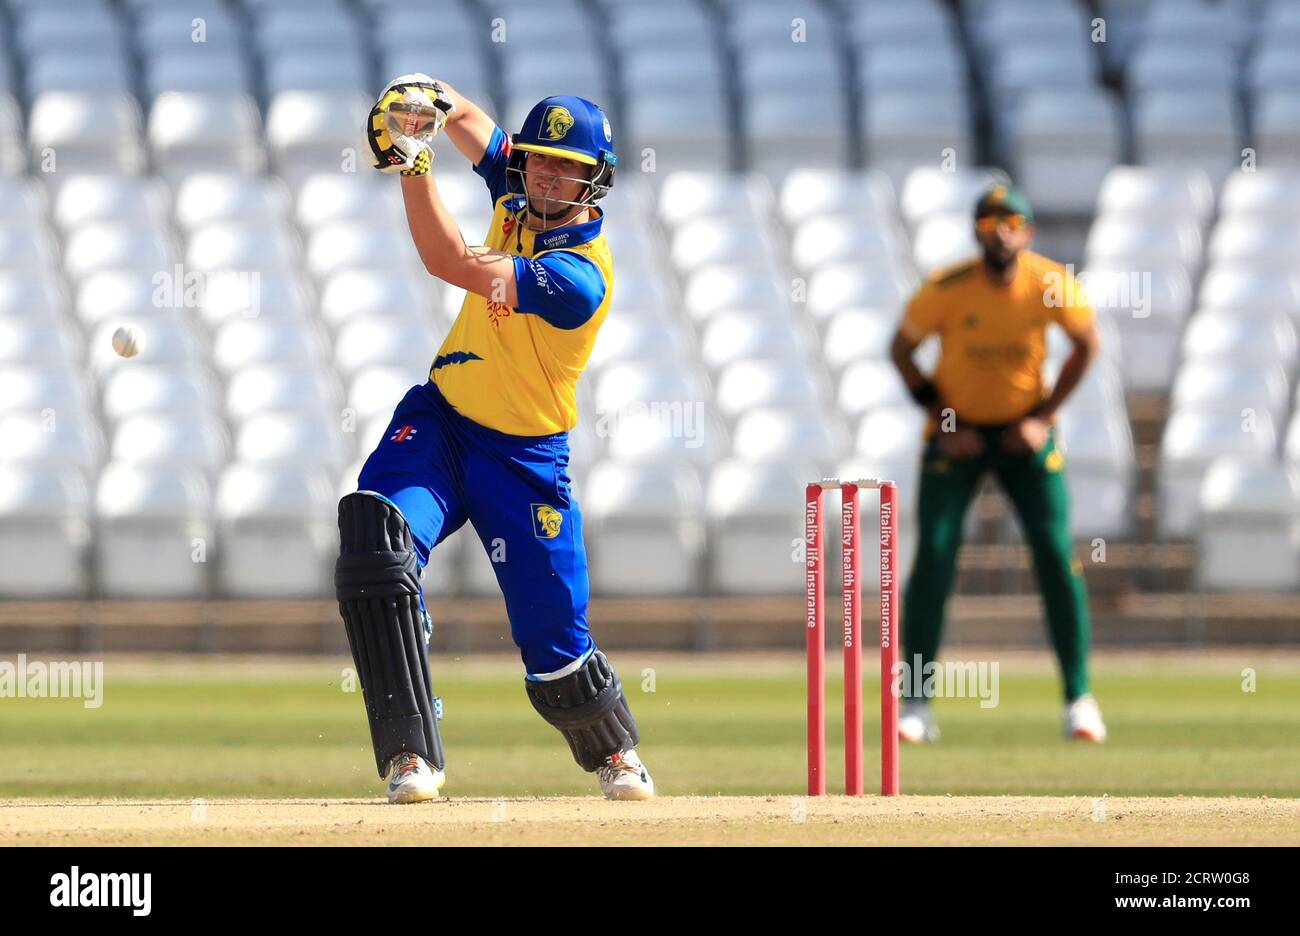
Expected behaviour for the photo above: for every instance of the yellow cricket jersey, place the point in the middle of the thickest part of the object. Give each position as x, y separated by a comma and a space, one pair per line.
993, 337
516, 370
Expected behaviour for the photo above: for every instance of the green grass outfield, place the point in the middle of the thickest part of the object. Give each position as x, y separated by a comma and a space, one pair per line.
186, 728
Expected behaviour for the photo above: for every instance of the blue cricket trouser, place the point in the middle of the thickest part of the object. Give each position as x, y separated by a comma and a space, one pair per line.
441, 469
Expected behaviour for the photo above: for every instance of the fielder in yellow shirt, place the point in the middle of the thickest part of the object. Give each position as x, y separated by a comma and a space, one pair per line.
991, 412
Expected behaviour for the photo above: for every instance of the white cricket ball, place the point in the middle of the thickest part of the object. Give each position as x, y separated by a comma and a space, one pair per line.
128, 341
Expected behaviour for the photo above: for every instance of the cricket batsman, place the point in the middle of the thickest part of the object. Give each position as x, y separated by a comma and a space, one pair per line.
485, 440
990, 412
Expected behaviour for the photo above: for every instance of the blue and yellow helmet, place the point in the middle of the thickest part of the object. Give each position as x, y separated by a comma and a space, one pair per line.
573, 128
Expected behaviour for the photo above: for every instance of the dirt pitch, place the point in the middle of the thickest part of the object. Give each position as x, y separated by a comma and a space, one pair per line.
731, 820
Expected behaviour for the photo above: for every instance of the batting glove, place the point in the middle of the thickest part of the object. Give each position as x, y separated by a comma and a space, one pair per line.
409, 113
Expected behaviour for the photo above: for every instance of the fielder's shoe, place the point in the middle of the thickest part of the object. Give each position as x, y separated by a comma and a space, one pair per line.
1083, 720
916, 724
624, 777
414, 780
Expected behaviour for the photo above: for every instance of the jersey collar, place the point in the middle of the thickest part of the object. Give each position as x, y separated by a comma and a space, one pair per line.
571, 235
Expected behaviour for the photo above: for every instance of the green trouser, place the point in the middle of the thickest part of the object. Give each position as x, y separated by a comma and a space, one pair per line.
1035, 485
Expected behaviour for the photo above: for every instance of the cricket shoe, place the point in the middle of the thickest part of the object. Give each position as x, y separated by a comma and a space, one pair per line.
1083, 720
624, 777
916, 724
414, 780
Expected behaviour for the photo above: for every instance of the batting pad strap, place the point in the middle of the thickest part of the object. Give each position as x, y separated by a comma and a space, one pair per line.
377, 581
589, 709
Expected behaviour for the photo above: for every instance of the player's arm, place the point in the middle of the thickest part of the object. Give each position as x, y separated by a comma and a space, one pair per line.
901, 350
443, 251
468, 125
1085, 346
922, 318
1030, 433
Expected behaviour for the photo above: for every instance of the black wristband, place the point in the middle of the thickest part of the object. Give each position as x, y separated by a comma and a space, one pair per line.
924, 394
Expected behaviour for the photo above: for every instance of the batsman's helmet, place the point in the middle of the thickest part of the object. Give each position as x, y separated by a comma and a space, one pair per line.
574, 128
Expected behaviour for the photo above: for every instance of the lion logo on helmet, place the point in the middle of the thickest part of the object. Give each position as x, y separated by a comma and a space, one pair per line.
556, 122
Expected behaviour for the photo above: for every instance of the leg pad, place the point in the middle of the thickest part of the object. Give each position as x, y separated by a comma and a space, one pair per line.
377, 580
589, 709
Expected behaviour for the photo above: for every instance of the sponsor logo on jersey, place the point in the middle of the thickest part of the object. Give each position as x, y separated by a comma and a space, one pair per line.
404, 434
539, 273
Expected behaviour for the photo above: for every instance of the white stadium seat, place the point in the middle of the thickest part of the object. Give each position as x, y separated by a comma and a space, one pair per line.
90, 198
713, 289
1195, 129
753, 533
928, 191
250, 294
707, 241
31, 341
634, 511
1249, 538
745, 385
33, 389
733, 336
156, 389
871, 385
197, 69
1062, 143
86, 132
1251, 340
374, 392
31, 294
786, 433
807, 194
243, 342
205, 132
342, 244
891, 434
390, 340
1247, 241
176, 440
277, 531
153, 532
208, 198
857, 334
1212, 385
1192, 440
44, 530
1246, 291
843, 238
295, 438
841, 285
353, 295
623, 338
279, 388
1267, 194
243, 246
1152, 192
331, 196
113, 246
903, 130
316, 131
49, 436
944, 240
